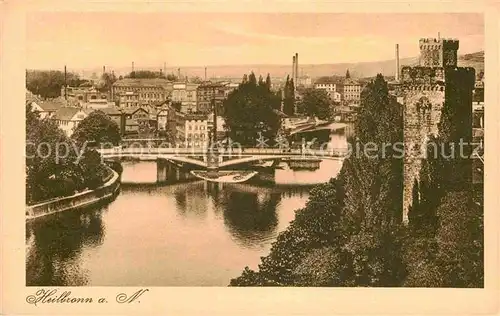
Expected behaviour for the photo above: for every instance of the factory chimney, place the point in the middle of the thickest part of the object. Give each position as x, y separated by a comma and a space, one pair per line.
205, 73
65, 84
397, 62
103, 70
132, 66
178, 74
296, 80
293, 67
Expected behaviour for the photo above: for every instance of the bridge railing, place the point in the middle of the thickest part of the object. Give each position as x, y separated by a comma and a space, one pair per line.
330, 152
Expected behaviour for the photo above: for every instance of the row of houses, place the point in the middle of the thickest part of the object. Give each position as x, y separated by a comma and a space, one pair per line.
192, 97
184, 129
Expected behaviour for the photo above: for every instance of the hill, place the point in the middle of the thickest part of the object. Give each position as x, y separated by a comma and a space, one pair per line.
361, 69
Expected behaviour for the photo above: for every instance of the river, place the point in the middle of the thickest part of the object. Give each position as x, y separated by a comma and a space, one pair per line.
181, 233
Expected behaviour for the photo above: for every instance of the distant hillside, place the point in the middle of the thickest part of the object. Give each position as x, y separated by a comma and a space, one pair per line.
359, 70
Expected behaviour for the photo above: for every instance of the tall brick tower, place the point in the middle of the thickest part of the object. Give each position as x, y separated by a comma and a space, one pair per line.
429, 90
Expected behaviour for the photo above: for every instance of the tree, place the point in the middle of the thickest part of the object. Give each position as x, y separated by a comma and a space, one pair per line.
261, 81
252, 79
53, 168
248, 110
289, 101
268, 82
172, 77
145, 74
347, 74
454, 257
177, 105
107, 81
196, 79
97, 127
93, 169
460, 241
315, 103
48, 84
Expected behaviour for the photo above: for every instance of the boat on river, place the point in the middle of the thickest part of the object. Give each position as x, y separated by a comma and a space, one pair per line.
224, 176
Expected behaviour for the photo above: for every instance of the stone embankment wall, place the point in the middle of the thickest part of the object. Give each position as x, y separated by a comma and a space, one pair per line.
79, 200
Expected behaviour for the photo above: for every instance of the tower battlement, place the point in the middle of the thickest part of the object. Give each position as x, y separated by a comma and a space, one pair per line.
438, 52
435, 41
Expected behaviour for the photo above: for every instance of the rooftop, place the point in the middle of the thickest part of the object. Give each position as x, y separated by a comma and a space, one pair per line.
133, 109
66, 113
144, 82
50, 105
350, 81
110, 110
330, 80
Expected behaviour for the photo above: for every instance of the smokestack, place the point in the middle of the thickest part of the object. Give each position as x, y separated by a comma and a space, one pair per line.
132, 66
293, 67
205, 73
165, 68
178, 74
296, 80
103, 70
439, 36
397, 62
65, 84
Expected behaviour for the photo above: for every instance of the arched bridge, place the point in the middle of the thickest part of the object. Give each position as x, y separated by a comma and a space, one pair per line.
202, 157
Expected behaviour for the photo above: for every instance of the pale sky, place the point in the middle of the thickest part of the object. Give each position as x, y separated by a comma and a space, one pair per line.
85, 40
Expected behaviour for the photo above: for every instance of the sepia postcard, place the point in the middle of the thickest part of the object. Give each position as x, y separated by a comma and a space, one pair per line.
249, 158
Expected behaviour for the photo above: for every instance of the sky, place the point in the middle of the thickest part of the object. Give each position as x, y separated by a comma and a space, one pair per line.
93, 39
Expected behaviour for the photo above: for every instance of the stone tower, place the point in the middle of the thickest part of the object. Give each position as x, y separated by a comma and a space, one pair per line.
436, 83
438, 52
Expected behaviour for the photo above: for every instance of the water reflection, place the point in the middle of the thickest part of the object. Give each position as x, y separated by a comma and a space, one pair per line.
190, 234
55, 245
192, 200
251, 217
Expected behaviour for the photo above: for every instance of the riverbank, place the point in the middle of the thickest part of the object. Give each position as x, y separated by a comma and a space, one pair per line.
76, 201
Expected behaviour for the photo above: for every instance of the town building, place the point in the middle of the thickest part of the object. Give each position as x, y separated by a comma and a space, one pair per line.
130, 92
45, 109
185, 94
98, 104
336, 97
305, 81
478, 115
137, 120
208, 92
191, 130
221, 126
328, 84
162, 120
68, 118
82, 94
333, 86
351, 92
230, 87
426, 89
